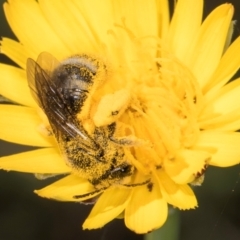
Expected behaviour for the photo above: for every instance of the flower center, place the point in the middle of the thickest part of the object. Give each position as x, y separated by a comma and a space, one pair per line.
165, 99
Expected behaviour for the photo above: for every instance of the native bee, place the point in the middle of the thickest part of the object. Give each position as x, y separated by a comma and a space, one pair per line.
61, 90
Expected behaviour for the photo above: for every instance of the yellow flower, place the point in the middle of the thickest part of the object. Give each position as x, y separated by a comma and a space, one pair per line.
165, 86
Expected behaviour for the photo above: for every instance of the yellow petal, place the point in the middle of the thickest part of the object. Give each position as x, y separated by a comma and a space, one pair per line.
184, 168
180, 196
146, 211
46, 160
67, 21
184, 25
66, 188
13, 85
208, 47
225, 147
109, 205
225, 101
228, 66
223, 111
14, 50
224, 122
163, 17
135, 13
19, 125
27, 21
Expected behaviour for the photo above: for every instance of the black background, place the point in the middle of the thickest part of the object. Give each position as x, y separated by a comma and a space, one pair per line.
25, 216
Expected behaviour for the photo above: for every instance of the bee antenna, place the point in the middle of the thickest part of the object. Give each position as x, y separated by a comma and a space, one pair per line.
89, 193
137, 184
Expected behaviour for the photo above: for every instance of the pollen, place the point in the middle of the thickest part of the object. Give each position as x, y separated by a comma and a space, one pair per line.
154, 107
164, 107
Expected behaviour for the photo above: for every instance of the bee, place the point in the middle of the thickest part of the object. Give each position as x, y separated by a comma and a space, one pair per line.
61, 90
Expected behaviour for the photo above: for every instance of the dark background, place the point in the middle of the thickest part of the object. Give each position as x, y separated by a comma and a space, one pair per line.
24, 216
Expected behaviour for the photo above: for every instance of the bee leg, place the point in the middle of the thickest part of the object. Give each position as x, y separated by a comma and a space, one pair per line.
43, 176
138, 184
44, 130
111, 107
97, 191
129, 141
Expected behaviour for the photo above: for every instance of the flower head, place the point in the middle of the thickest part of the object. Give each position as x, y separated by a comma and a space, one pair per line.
163, 85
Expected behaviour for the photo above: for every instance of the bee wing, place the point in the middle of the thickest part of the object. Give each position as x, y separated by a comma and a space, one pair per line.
45, 93
44, 61
47, 62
